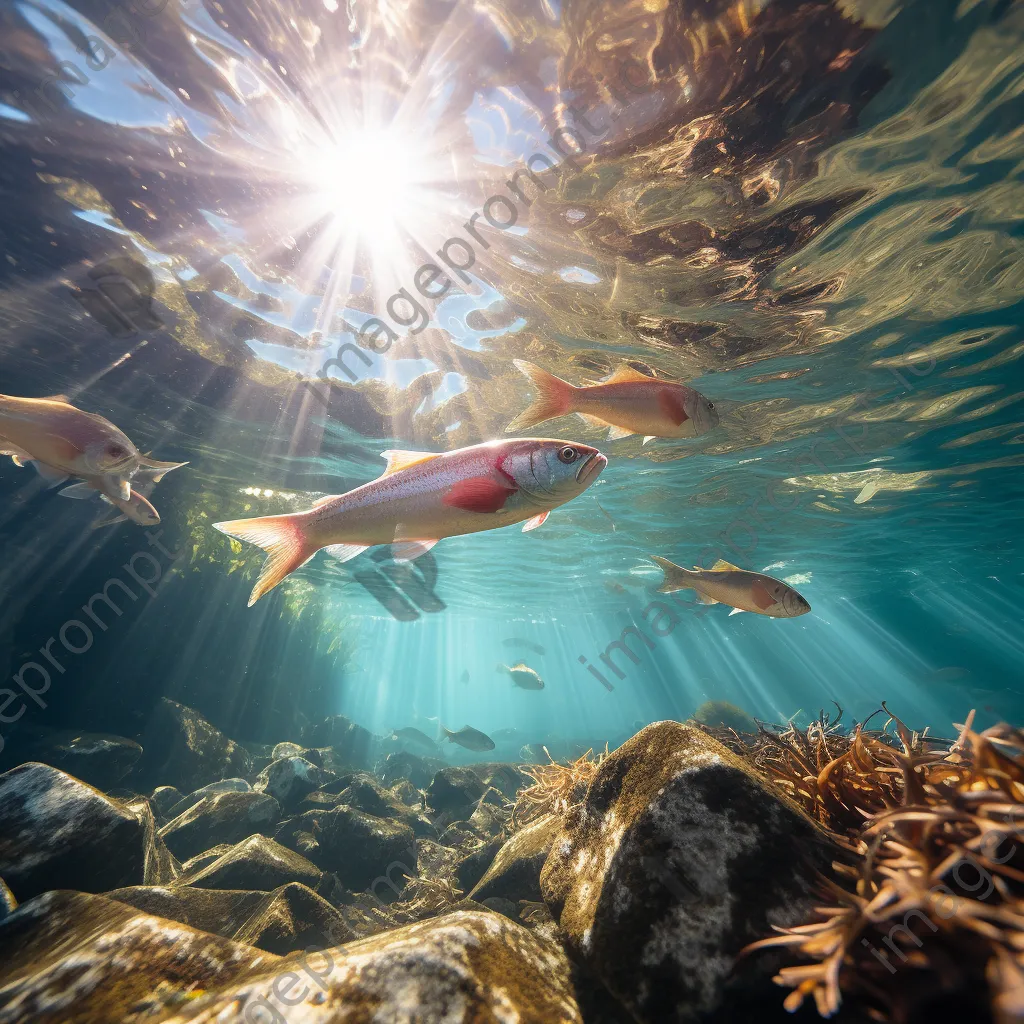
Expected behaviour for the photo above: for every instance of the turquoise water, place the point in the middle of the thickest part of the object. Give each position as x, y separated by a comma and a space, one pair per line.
825, 241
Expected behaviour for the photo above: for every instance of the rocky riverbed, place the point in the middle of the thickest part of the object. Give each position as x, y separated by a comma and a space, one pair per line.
186, 877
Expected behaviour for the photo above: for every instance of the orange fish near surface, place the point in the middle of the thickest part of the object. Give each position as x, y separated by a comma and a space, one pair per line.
423, 497
629, 402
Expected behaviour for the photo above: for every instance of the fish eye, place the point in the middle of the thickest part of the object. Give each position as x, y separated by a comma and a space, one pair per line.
116, 451
711, 405
568, 454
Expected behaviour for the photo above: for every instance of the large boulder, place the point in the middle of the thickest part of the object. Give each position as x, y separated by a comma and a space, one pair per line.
678, 856
218, 819
289, 779
56, 832
415, 769
352, 744
255, 863
100, 759
71, 958
356, 846
182, 749
183, 803
464, 968
514, 874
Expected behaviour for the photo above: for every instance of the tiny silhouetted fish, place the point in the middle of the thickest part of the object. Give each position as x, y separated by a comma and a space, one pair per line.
413, 738
468, 737
523, 676
515, 641
464, 678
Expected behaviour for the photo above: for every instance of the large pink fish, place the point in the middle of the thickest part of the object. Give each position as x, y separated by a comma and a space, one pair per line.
62, 442
422, 497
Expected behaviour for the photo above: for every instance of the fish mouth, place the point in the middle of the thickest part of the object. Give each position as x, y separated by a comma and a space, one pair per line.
591, 469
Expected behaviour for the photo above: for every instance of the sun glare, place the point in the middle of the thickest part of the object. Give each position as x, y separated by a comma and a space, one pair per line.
366, 180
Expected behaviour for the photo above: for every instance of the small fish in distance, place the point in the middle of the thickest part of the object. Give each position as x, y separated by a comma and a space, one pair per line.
745, 591
468, 737
523, 676
515, 641
422, 497
629, 402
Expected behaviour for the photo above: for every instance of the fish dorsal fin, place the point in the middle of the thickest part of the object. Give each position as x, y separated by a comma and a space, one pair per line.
398, 460
722, 564
626, 373
57, 398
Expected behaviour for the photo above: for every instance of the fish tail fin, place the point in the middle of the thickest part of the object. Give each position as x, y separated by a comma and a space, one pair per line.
675, 575
443, 733
284, 540
555, 397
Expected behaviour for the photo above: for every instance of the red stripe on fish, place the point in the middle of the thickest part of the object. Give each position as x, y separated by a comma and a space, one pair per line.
479, 494
761, 597
672, 406
499, 465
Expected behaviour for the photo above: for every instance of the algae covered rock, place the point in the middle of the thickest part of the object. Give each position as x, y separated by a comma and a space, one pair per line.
182, 749
255, 863
454, 791
8, 903
218, 819
514, 874
351, 743
56, 832
289, 779
100, 759
72, 958
464, 968
678, 856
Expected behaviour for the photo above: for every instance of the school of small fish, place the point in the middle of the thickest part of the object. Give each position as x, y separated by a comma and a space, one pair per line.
419, 499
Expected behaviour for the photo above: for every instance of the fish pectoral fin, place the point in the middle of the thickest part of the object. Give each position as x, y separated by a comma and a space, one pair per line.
480, 494
538, 520
109, 521
345, 552
704, 598
399, 460
410, 550
626, 373
614, 433
81, 492
19, 455
722, 565
52, 476
737, 611
649, 437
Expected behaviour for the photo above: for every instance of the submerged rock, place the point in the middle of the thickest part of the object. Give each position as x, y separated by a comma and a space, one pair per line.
221, 786
255, 863
182, 749
100, 759
222, 818
415, 769
514, 873
7, 901
356, 846
464, 968
164, 798
351, 743
677, 858
289, 780
472, 867
454, 791
58, 833
72, 958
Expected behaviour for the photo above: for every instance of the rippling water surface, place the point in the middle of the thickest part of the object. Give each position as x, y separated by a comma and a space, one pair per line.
809, 211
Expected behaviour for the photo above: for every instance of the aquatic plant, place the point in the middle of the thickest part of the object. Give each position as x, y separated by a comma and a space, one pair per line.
931, 896
426, 897
556, 787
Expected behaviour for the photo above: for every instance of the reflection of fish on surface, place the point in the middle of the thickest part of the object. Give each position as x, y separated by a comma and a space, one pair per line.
515, 641
62, 441
468, 737
629, 402
423, 497
523, 676
741, 589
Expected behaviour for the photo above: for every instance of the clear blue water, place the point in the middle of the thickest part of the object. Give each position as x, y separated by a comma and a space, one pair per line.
813, 217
